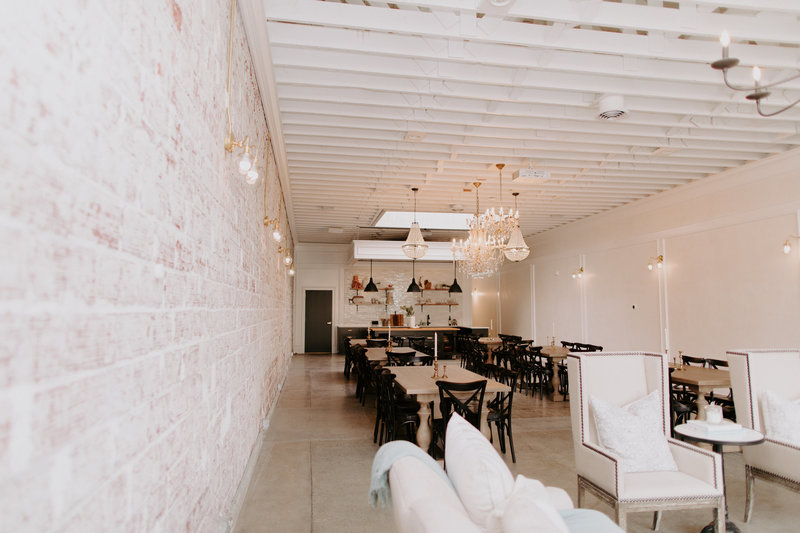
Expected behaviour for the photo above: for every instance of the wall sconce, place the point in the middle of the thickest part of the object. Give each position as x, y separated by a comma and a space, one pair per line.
578, 274
787, 246
247, 165
658, 261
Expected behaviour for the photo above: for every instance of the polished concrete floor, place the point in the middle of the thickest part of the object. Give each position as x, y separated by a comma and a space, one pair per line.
312, 474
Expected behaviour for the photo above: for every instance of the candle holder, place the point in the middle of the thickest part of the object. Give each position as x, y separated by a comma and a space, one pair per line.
444, 372
435, 369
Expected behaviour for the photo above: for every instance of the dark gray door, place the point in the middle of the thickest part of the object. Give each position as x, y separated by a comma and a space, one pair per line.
319, 316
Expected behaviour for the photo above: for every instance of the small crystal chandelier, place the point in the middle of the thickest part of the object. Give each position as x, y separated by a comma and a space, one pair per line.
516, 249
481, 253
499, 222
415, 246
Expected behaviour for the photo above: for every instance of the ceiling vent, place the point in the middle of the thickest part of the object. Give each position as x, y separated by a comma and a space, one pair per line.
612, 107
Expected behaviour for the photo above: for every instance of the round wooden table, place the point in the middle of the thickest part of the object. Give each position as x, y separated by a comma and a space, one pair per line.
718, 439
491, 344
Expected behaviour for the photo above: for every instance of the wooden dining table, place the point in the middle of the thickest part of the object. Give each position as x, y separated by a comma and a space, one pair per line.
556, 354
701, 381
418, 381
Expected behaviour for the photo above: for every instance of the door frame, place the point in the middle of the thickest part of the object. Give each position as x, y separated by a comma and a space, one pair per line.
334, 320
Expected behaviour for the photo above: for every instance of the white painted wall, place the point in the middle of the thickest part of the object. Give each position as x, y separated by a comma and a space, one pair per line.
726, 283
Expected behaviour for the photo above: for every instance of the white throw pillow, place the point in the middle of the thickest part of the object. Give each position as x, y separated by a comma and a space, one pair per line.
634, 433
479, 474
527, 509
781, 418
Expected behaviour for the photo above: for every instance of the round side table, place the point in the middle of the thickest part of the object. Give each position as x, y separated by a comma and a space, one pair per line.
718, 439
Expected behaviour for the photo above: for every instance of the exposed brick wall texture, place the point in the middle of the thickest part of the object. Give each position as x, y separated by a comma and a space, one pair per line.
145, 313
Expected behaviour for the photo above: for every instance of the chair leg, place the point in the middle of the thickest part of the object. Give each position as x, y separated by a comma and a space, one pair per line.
656, 520
749, 484
719, 519
511, 442
619, 514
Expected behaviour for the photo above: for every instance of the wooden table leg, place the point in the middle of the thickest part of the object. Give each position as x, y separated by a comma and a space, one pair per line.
424, 429
701, 404
485, 429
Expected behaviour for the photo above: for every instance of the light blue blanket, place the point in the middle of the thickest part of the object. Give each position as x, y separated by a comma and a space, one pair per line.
385, 458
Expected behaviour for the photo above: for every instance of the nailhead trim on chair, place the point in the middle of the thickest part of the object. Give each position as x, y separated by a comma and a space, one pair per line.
696, 449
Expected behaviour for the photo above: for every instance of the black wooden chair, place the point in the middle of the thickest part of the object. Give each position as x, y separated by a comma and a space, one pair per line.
394, 413
500, 408
726, 400
398, 358
348, 357
466, 399
376, 343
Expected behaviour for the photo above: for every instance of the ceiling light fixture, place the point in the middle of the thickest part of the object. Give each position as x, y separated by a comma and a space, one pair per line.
415, 246
413, 287
371, 287
481, 252
757, 92
501, 223
612, 107
656, 262
516, 249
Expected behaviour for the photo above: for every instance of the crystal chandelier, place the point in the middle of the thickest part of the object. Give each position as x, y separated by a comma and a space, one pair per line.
482, 253
499, 222
516, 249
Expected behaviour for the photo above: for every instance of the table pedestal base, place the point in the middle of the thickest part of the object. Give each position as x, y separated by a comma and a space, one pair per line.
730, 527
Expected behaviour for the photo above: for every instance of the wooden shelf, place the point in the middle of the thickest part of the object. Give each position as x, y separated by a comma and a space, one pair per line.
437, 303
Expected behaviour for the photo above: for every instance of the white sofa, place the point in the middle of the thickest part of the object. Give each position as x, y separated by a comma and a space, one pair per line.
483, 497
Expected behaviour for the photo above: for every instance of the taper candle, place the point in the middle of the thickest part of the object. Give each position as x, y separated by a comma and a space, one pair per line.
436, 345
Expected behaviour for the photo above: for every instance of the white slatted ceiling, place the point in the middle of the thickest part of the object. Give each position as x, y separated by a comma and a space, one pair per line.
357, 79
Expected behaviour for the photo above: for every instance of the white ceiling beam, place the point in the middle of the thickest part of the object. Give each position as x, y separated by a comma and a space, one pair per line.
538, 36
337, 97
348, 65
524, 140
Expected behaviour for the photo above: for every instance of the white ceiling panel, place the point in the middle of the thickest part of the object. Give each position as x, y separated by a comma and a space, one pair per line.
374, 98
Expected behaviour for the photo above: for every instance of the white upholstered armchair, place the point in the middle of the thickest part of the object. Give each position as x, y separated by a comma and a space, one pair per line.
626, 379
753, 373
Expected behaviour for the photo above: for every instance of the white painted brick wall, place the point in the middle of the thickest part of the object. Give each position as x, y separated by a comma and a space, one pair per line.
145, 313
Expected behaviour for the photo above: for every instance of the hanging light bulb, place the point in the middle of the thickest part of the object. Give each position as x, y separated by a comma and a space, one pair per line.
252, 175
287, 260
291, 271
787, 247
245, 162
415, 246
276, 235
371, 287
650, 266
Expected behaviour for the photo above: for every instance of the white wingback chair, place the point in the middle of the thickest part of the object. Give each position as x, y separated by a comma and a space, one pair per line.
753, 372
621, 378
